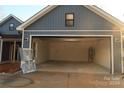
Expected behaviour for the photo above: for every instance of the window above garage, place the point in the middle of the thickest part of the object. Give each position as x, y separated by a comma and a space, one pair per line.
11, 27
69, 19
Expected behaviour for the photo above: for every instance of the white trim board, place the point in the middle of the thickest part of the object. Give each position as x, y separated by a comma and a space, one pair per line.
122, 54
111, 36
22, 38
72, 30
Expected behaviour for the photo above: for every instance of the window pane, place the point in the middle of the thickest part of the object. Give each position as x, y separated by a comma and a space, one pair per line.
69, 23
11, 25
69, 16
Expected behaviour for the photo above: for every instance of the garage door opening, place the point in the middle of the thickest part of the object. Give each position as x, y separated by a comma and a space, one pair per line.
73, 54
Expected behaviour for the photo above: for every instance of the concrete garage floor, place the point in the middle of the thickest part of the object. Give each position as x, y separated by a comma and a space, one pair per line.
75, 67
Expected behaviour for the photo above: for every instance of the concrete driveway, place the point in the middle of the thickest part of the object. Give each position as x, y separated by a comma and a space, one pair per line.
68, 80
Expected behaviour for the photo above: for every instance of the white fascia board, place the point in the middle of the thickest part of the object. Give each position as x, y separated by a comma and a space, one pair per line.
6, 18
105, 15
36, 17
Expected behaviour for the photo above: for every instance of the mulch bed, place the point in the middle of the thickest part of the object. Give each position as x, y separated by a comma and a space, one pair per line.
9, 67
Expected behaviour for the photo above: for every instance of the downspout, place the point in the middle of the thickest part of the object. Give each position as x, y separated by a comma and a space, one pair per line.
23, 38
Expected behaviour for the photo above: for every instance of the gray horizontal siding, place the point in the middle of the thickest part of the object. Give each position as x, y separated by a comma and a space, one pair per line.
84, 20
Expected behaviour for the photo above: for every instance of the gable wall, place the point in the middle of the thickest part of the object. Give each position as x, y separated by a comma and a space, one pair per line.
5, 27
84, 20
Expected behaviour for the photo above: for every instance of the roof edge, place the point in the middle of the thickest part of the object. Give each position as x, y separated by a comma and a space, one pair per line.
7, 17
36, 16
105, 15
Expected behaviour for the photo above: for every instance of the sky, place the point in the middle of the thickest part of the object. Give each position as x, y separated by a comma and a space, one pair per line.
26, 11
115, 10
23, 12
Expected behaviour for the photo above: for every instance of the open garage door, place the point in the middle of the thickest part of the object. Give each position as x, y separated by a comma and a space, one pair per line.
73, 54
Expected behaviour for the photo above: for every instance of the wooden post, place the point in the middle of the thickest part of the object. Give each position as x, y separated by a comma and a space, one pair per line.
11, 53
14, 51
1, 47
